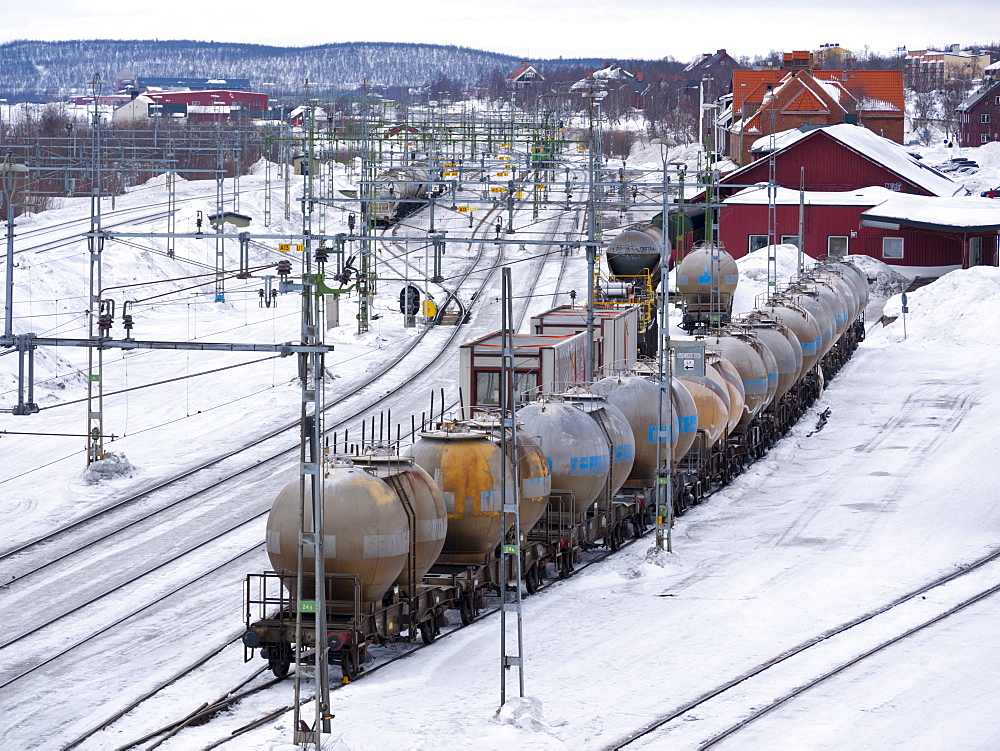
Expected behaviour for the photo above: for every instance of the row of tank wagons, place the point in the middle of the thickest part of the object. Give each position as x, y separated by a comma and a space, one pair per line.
389, 520
753, 363
401, 192
444, 503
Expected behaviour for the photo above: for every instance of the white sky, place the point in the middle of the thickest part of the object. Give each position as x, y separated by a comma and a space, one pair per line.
638, 29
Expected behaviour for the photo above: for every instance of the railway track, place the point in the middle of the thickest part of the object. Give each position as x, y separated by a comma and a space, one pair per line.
232, 696
741, 701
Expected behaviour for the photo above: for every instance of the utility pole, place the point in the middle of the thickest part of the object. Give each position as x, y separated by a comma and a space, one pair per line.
95, 244
510, 552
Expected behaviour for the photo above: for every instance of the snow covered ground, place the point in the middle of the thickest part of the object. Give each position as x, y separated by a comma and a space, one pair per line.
896, 490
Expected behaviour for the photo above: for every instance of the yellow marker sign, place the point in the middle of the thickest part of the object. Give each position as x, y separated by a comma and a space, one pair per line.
451, 174
429, 308
496, 190
520, 194
285, 247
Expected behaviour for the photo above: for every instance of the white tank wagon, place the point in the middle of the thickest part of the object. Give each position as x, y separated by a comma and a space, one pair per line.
706, 281
400, 192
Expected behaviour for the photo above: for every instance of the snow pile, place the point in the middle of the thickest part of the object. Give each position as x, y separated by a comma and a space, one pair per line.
753, 275
883, 280
525, 713
962, 307
113, 466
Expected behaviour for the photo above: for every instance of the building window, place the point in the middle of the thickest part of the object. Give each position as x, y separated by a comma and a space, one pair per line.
836, 246
756, 242
985, 117
997, 101
984, 138
790, 240
892, 247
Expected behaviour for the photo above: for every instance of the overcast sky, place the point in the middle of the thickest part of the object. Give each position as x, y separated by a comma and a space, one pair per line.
649, 29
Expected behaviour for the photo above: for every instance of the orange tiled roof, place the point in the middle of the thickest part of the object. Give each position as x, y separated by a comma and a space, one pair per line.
878, 85
749, 85
806, 101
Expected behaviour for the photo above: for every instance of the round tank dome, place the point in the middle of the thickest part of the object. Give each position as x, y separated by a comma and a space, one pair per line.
365, 532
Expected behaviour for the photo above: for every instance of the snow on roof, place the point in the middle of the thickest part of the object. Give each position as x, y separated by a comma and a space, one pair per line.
868, 104
964, 214
612, 73
887, 153
787, 196
833, 88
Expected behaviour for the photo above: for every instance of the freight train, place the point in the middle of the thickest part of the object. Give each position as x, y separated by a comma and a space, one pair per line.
401, 192
408, 538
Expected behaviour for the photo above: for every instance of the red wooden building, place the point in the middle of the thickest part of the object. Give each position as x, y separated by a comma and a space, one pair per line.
919, 235
210, 104
847, 171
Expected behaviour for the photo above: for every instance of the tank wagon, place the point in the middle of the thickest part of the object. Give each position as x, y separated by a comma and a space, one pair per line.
414, 537
400, 192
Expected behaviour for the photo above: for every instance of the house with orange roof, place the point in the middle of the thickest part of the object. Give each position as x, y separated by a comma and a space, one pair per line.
526, 75
771, 101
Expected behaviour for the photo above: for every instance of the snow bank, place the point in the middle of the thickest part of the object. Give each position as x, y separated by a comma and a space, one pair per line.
753, 275
883, 280
962, 307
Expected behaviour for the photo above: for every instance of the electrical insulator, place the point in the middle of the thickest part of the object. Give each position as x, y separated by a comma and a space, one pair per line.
127, 324
104, 322
284, 268
322, 255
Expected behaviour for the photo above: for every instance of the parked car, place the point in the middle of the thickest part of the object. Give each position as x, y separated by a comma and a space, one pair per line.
991, 193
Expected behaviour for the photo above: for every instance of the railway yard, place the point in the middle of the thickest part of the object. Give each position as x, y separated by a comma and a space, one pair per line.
839, 592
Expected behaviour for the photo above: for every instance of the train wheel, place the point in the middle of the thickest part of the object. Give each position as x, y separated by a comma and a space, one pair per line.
531, 580
280, 660
428, 631
566, 565
615, 538
466, 610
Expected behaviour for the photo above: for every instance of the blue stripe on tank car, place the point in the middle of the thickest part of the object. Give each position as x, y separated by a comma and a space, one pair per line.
808, 348
688, 424
624, 453
841, 318
730, 279
755, 386
657, 435
772, 380
705, 279
588, 465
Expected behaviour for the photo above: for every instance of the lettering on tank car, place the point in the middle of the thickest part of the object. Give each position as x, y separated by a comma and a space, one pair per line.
623, 453
588, 465
730, 278
329, 547
657, 435
688, 424
386, 546
429, 530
